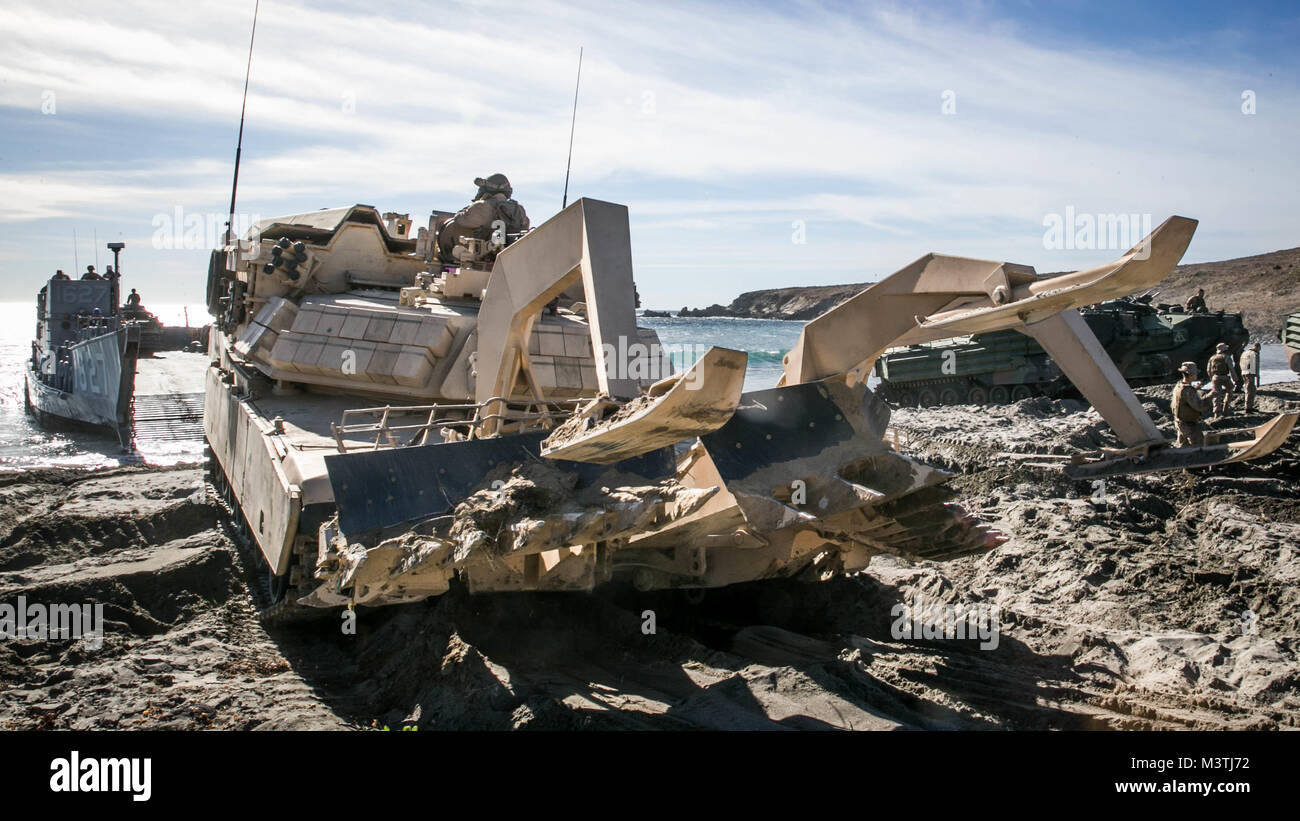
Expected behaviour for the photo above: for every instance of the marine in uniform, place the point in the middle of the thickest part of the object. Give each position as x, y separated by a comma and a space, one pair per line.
1219, 369
1196, 302
1188, 406
1250, 375
492, 209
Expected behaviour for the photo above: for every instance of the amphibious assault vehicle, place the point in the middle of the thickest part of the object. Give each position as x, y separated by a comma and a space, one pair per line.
1289, 336
382, 423
1147, 343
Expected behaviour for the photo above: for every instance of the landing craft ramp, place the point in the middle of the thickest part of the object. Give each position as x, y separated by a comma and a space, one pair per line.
168, 404
173, 416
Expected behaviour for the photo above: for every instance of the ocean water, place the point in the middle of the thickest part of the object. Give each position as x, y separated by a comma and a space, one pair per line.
765, 340
24, 445
768, 340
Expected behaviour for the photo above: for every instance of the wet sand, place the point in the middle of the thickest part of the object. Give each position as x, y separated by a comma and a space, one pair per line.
1168, 601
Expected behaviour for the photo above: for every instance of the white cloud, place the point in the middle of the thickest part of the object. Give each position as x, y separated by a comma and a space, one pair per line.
716, 124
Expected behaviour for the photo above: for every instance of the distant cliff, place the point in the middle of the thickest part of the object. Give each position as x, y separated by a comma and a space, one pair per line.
1264, 288
782, 303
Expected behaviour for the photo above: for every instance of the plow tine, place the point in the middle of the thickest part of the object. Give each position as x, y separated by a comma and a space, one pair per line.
1266, 438
698, 402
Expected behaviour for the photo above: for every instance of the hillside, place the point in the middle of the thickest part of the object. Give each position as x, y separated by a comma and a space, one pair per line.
782, 303
1264, 287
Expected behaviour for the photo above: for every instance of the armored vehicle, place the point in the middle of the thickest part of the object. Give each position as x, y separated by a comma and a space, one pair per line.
1147, 342
383, 423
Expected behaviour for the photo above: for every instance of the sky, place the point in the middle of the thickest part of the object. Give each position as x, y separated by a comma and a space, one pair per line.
755, 145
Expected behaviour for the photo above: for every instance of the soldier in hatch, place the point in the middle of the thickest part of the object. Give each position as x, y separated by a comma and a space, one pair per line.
1196, 303
1188, 405
1221, 381
491, 209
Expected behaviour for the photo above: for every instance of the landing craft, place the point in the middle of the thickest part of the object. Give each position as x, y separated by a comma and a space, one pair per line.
381, 422
81, 372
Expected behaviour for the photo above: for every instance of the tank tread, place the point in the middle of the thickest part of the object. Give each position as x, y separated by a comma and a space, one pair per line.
274, 607
930, 393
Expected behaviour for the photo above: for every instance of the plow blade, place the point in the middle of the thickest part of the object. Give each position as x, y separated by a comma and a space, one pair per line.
796, 482
697, 402
1265, 439
380, 489
812, 457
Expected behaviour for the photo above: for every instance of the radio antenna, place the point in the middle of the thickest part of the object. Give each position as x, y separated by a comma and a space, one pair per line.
239, 145
572, 123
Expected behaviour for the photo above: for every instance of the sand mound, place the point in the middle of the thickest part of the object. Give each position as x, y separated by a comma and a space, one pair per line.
1165, 601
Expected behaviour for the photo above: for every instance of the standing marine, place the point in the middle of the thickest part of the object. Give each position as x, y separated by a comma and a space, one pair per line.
1188, 406
1219, 369
1250, 375
492, 211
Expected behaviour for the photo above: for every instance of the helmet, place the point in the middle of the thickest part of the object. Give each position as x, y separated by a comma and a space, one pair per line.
495, 184
1222, 347
1188, 368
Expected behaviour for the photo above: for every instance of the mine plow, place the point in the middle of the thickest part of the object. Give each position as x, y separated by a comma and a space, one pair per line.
550, 448
672, 410
940, 297
1220, 448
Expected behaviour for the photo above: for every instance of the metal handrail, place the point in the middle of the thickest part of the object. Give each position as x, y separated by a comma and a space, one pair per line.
385, 434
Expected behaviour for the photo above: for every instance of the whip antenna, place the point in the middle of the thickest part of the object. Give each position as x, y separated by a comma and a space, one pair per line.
572, 123
239, 145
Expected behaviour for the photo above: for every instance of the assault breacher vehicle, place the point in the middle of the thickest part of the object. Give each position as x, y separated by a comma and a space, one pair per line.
381, 423
1147, 342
